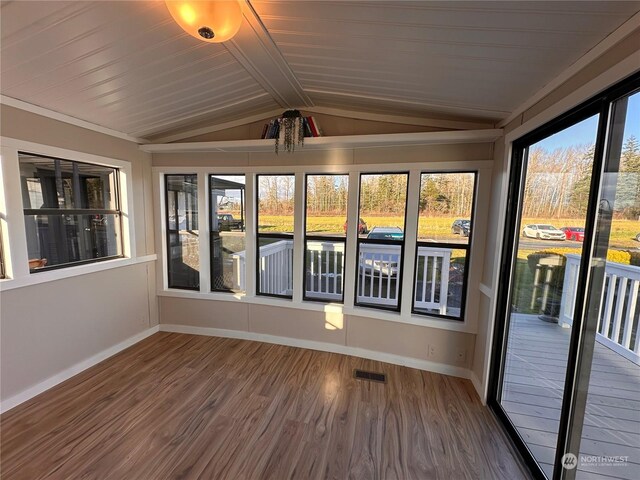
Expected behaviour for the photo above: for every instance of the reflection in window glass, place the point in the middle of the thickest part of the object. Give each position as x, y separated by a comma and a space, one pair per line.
612, 410
444, 229
325, 233
556, 193
227, 236
182, 231
383, 199
275, 235
71, 209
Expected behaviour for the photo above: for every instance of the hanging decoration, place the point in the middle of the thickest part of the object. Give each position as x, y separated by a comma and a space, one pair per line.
291, 131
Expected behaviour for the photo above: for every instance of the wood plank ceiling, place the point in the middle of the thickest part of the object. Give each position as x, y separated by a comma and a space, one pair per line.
127, 66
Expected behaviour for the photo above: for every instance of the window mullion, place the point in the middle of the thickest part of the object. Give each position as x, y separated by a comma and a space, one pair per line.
204, 233
250, 235
352, 239
298, 237
410, 239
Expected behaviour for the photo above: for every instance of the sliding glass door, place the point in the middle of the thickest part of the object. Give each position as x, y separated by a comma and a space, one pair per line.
566, 374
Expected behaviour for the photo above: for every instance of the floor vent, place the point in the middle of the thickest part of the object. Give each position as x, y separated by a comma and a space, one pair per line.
371, 376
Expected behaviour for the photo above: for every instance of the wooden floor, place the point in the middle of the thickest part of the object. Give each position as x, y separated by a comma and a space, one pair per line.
533, 390
184, 406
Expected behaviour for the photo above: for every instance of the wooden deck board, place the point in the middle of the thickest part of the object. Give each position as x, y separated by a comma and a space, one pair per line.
533, 389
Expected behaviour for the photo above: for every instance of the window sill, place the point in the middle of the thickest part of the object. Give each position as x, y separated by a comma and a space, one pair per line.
411, 319
62, 273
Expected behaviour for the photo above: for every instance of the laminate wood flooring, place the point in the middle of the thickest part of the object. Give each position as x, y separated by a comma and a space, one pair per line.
180, 406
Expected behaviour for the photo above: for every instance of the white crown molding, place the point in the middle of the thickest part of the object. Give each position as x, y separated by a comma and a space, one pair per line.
626, 29
79, 367
256, 51
327, 143
221, 126
418, 363
419, 121
62, 117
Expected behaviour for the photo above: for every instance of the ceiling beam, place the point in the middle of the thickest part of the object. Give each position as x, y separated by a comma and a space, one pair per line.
256, 51
328, 143
403, 120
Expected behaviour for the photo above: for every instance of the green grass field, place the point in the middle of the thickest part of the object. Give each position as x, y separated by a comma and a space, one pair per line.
623, 232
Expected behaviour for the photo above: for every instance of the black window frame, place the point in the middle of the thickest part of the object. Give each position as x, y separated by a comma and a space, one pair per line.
322, 238
603, 105
168, 231
466, 247
275, 236
381, 241
50, 211
243, 203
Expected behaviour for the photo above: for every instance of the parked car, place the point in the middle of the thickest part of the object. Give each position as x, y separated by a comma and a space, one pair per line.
362, 227
461, 227
227, 222
574, 233
638, 237
388, 233
543, 231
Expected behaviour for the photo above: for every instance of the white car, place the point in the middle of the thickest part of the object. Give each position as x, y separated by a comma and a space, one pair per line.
544, 232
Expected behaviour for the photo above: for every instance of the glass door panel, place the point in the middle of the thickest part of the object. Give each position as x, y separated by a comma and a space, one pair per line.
552, 215
607, 405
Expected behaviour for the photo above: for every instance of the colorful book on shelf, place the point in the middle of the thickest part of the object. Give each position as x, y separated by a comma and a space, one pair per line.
264, 130
307, 128
313, 124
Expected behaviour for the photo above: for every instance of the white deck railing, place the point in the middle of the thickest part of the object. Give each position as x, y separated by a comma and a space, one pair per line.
618, 322
326, 270
378, 269
433, 279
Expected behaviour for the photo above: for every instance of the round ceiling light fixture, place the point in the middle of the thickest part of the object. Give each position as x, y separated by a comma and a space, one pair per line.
212, 21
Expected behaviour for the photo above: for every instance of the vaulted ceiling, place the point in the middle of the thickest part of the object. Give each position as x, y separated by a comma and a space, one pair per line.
127, 66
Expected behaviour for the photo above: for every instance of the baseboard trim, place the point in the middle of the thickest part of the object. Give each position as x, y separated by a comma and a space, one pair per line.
323, 347
54, 380
477, 384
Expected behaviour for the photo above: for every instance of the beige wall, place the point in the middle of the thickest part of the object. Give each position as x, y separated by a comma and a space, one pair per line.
376, 336
375, 156
331, 125
48, 327
600, 72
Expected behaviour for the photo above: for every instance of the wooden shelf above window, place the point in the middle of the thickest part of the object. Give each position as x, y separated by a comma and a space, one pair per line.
328, 143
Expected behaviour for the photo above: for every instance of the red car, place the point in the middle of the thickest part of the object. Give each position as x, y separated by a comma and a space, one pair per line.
574, 233
362, 227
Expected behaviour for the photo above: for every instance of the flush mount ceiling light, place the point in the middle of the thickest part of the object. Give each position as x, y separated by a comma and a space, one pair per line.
212, 21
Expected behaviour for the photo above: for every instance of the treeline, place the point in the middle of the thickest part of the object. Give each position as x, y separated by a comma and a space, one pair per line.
557, 186
558, 182
448, 194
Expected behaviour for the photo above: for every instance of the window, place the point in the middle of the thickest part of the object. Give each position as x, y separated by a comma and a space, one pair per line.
442, 257
227, 232
183, 266
325, 236
381, 223
566, 348
72, 212
274, 221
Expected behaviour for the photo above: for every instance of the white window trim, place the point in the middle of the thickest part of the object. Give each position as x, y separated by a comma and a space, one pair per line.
14, 236
468, 324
